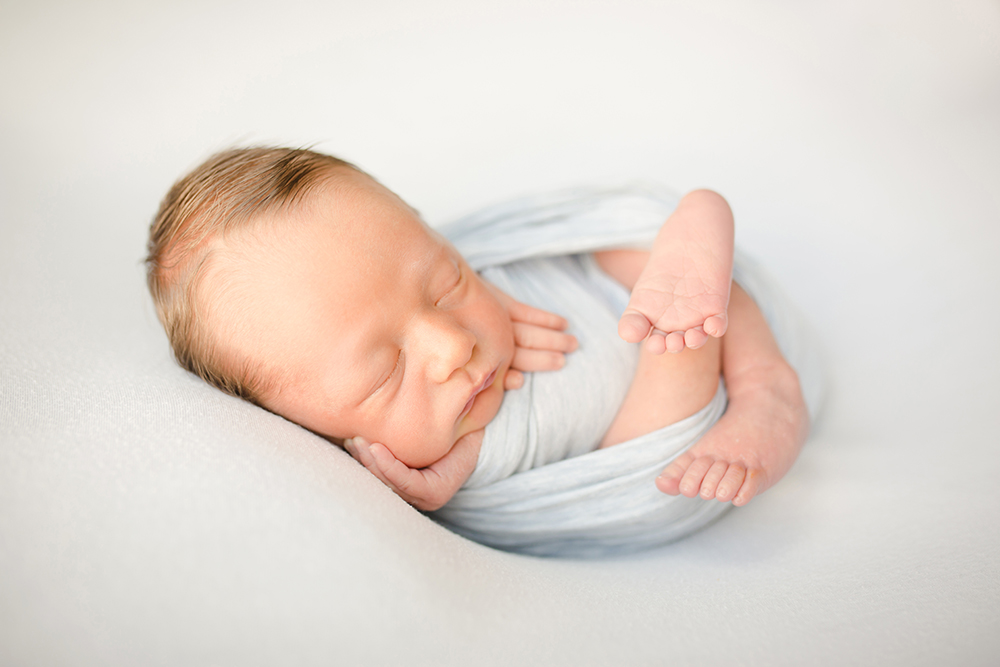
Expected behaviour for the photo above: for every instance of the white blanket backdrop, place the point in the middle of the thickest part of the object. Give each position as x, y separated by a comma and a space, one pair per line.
147, 519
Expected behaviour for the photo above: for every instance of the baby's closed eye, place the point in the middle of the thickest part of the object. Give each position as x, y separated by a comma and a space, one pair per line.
454, 288
396, 369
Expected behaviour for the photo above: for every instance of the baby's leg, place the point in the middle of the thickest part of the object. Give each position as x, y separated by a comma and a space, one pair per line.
682, 294
666, 389
761, 433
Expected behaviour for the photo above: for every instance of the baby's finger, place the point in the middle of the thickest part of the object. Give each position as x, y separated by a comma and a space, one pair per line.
361, 450
541, 338
513, 380
446, 475
408, 483
531, 361
358, 448
522, 312
351, 449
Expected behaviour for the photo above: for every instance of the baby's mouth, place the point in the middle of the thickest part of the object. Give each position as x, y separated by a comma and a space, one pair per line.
472, 399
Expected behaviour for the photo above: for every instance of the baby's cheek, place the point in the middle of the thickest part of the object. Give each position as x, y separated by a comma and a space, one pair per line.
505, 333
419, 447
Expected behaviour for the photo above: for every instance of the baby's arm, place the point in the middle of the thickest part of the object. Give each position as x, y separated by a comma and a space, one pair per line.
540, 344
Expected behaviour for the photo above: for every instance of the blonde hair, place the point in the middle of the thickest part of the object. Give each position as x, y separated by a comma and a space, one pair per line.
227, 192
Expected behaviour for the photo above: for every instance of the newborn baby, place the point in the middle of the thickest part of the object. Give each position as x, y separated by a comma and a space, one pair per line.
296, 281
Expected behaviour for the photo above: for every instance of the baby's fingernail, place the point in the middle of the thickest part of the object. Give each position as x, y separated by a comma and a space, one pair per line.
379, 453
361, 449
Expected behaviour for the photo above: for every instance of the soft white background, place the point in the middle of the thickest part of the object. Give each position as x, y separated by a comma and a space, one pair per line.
146, 519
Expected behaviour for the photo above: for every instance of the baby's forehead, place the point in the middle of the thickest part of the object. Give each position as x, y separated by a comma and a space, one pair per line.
348, 221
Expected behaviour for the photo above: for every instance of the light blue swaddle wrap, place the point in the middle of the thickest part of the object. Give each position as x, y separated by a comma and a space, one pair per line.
540, 485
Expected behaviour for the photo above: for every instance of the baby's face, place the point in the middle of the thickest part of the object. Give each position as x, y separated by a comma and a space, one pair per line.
378, 326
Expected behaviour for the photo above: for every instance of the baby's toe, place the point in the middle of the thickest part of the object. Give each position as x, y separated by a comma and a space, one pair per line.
656, 343
716, 325
731, 482
669, 484
691, 482
749, 489
695, 338
669, 480
633, 326
712, 479
675, 342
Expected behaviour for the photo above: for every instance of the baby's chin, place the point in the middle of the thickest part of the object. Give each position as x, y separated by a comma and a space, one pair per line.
484, 409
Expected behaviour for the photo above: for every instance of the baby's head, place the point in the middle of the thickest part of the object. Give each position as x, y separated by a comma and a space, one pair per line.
296, 281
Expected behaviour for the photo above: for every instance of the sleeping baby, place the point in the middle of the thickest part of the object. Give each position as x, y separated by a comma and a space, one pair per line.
296, 281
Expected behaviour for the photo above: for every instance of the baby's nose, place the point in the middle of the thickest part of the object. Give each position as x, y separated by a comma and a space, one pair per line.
445, 344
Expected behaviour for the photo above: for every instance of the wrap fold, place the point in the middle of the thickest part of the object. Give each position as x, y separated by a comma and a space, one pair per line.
537, 493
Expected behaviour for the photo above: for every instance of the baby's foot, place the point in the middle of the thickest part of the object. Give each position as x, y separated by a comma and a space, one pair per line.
750, 448
682, 295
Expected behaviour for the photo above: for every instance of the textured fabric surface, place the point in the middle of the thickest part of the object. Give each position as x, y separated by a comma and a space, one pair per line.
147, 519
540, 485
565, 414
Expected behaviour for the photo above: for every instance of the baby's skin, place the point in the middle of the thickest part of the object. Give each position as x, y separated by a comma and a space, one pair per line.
683, 301
378, 335
367, 323
680, 303
681, 296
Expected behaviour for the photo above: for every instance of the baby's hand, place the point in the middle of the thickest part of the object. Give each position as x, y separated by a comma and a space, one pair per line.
426, 489
540, 341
